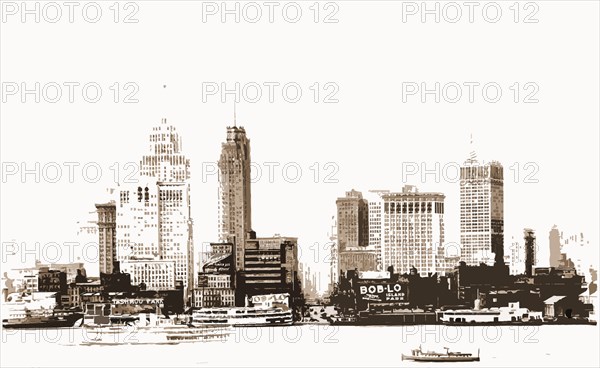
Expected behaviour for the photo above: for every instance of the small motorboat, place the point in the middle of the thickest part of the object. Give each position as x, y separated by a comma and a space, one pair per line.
431, 356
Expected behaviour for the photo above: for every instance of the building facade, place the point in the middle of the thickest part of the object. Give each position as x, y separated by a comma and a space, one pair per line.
360, 260
555, 246
154, 224
270, 267
375, 224
482, 212
72, 270
214, 290
154, 274
216, 280
52, 281
107, 236
234, 192
530, 251
515, 258
412, 230
352, 221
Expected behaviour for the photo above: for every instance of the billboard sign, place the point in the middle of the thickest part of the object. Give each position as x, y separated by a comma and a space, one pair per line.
383, 292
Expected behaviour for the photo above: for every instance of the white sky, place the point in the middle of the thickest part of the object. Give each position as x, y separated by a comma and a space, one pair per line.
368, 134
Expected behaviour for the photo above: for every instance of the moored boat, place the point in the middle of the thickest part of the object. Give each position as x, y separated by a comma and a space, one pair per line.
243, 316
266, 310
512, 314
54, 319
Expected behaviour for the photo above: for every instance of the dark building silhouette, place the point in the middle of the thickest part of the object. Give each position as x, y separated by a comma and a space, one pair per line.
530, 251
467, 283
107, 236
52, 281
270, 267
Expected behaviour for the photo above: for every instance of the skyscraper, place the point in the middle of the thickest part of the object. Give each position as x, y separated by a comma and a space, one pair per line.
234, 192
481, 212
555, 247
352, 221
107, 236
412, 230
333, 256
515, 257
530, 251
375, 224
154, 225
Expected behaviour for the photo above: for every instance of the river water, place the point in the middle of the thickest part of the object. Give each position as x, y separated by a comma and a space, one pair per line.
315, 345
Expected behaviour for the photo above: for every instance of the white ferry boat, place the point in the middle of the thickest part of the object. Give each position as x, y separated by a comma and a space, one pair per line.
103, 328
151, 329
243, 316
267, 310
512, 314
154, 335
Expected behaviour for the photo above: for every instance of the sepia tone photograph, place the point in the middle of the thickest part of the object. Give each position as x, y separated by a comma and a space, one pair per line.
300, 183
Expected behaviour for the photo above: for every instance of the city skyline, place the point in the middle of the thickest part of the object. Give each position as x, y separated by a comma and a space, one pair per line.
304, 259
224, 146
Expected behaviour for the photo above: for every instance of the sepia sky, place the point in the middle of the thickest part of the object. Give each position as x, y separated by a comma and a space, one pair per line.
368, 136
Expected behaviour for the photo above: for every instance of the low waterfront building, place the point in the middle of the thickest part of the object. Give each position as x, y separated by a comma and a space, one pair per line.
71, 270
385, 292
216, 282
52, 280
270, 267
22, 280
153, 274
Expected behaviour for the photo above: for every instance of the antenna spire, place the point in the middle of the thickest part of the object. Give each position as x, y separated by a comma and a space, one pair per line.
473, 154
234, 114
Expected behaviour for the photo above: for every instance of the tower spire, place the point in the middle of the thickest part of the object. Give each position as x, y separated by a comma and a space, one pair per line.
473, 154
234, 114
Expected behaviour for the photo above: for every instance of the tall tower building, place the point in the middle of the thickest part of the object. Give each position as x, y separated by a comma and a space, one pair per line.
154, 224
482, 212
107, 236
334, 274
375, 224
234, 192
352, 221
515, 257
530, 251
412, 230
555, 247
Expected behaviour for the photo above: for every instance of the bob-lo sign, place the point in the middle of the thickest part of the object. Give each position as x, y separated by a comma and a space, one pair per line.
382, 292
